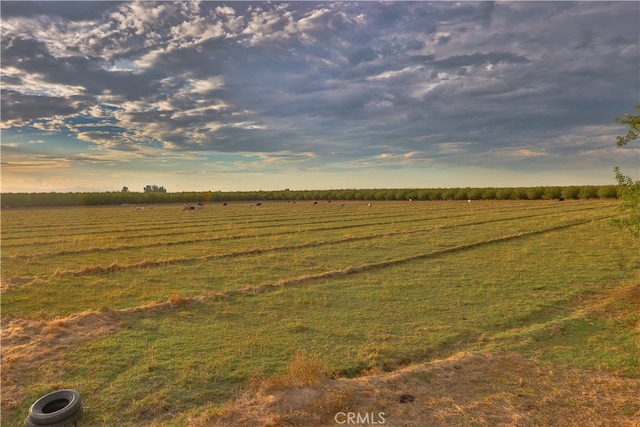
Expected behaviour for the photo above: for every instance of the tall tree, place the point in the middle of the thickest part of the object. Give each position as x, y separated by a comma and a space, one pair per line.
634, 127
629, 190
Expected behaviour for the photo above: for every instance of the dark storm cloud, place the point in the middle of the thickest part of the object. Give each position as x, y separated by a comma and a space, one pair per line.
68, 10
22, 107
343, 80
33, 58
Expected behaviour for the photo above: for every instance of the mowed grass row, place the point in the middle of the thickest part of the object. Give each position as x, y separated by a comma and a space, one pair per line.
119, 239
97, 219
129, 278
239, 216
78, 226
165, 368
44, 263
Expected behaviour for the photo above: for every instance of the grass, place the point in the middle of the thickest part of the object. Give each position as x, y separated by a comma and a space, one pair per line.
265, 289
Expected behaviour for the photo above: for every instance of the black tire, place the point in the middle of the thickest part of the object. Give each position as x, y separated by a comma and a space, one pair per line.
72, 421
57, 409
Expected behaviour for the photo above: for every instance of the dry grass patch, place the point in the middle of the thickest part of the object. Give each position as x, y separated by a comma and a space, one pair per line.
29, 343
617, 302
178, 301
304, 370
301, 396
464, 390
14, 282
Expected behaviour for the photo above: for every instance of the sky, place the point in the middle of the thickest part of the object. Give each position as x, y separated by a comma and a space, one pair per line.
224, 96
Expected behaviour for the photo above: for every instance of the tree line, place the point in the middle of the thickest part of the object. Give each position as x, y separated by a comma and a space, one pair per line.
150, 197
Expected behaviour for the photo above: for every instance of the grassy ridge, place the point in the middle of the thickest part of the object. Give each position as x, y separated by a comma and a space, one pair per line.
542, 291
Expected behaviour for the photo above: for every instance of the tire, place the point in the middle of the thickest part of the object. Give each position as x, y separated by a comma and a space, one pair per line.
57, 409
72, 421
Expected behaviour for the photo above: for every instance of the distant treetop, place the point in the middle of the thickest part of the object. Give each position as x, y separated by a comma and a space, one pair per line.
154, 189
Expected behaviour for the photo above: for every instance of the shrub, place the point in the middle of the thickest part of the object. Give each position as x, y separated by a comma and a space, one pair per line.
535, 193
552, 193
608, 192
588, 192
629, 210
570, 192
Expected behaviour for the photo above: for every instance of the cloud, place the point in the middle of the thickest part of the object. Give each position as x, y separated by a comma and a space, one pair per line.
77, 11
24, 108
453, 83
479, 59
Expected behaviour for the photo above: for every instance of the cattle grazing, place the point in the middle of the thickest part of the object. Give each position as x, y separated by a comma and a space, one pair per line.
561, 199
259, 204
140, 208
369, 204
188, 208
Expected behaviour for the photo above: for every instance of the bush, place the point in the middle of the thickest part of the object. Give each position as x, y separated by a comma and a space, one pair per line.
570, 192
608, 192
535, 193
552, 193
588, 192
503, 193
629, 210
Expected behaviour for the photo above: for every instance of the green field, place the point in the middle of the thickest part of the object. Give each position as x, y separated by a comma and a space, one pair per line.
159, 316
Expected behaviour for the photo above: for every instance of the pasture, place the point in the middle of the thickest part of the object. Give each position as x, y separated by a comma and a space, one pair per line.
165, 317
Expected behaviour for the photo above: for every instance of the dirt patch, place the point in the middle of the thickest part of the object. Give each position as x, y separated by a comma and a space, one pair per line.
468, 389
